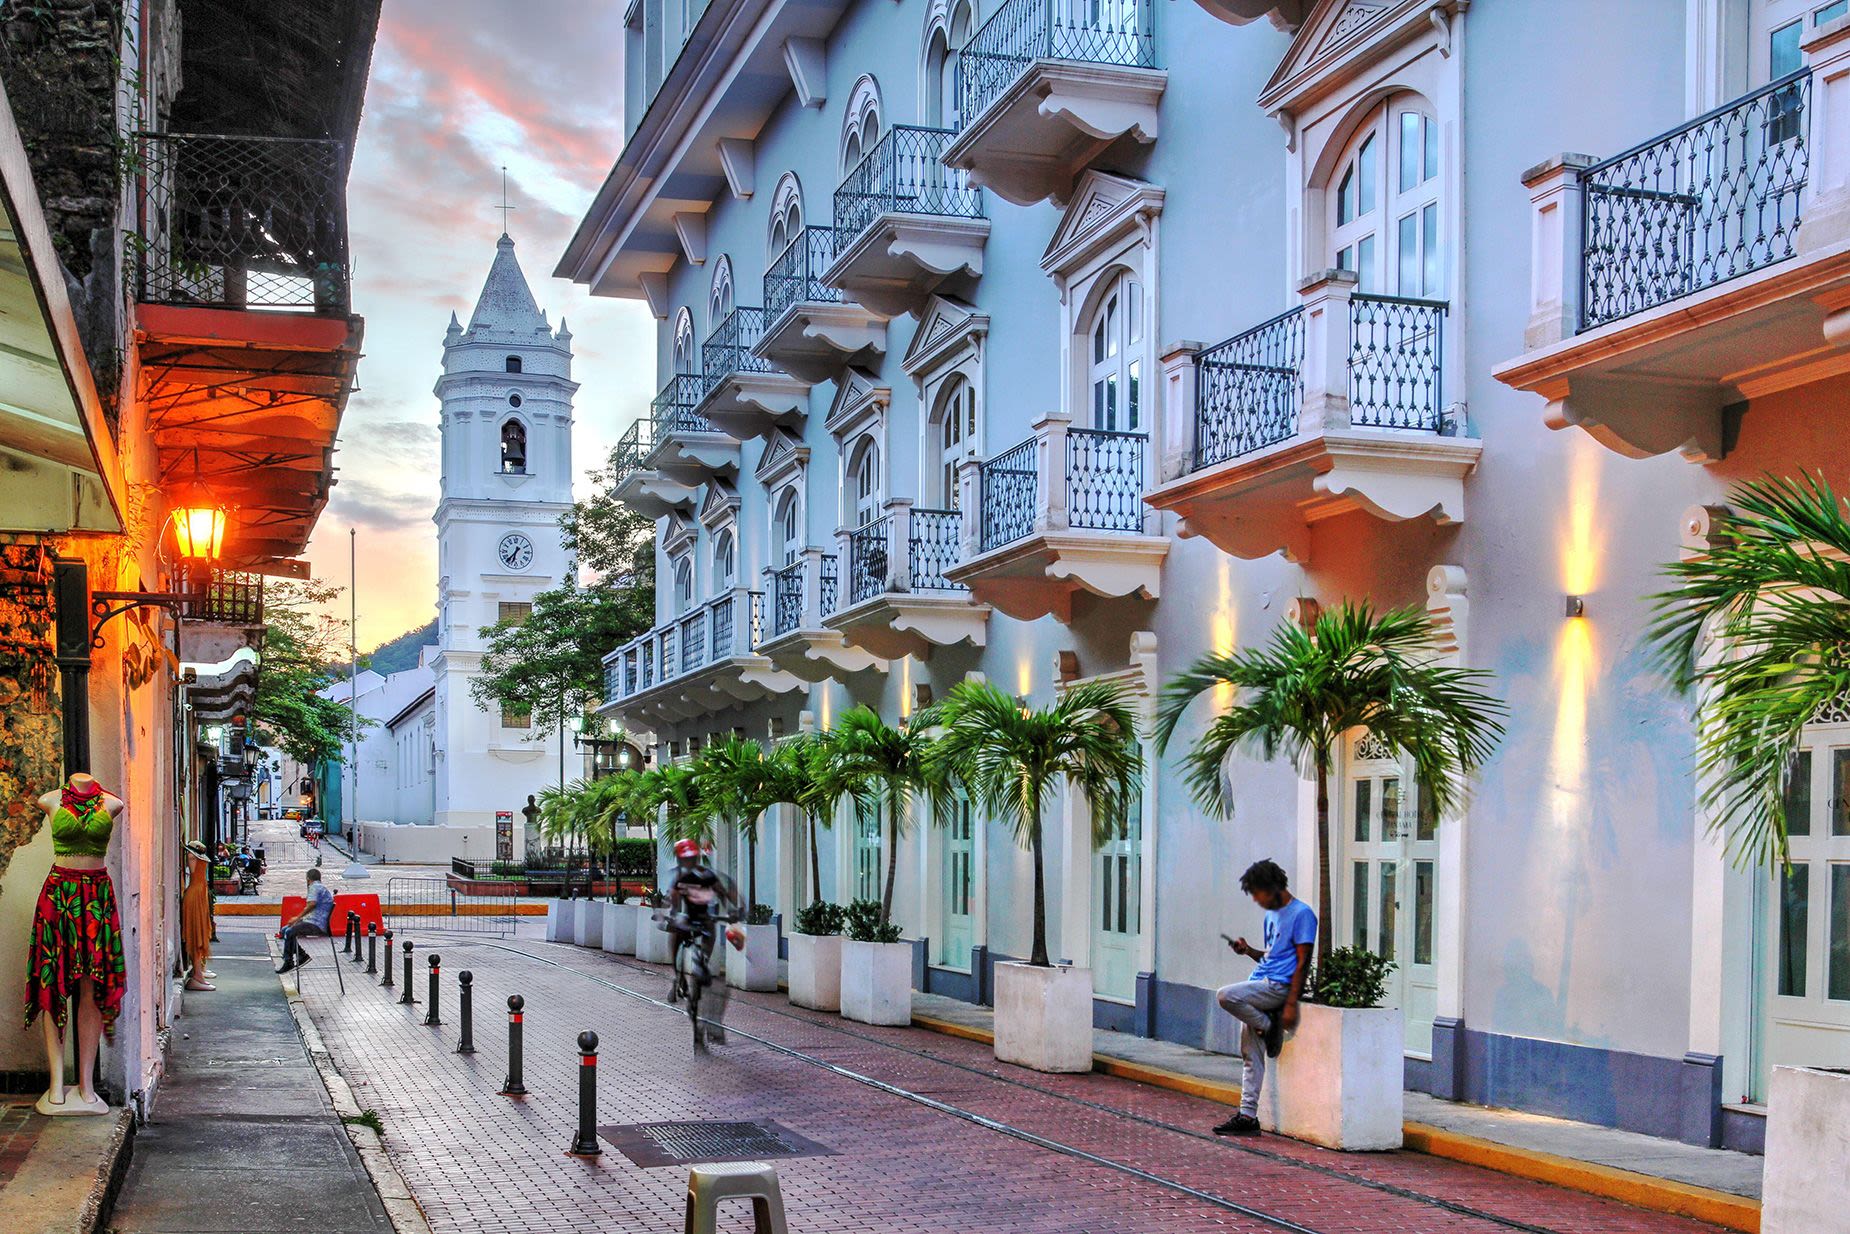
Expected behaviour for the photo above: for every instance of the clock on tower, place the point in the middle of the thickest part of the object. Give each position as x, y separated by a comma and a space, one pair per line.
515, 551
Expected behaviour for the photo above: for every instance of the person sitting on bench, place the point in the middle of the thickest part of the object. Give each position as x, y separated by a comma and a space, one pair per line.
312, 920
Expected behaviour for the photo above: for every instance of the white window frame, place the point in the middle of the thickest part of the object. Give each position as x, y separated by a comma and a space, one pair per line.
1384, 208
863, 123
786, 222
686, 356
720, 295
949, 25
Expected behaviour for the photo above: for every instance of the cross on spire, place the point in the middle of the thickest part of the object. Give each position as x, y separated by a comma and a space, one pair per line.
504, 207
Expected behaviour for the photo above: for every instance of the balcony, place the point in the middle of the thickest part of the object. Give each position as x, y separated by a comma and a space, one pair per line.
702, 662
1046, 85
1337, 405
740, 393
812, 331
1060, 514
686, 446
1699, 271
803, 595
905, 225
637, 485
899, 597
246, 342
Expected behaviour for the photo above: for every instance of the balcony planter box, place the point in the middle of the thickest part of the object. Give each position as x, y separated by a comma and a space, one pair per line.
1339, 1080
561, 921
876, 982
1807, 1142
588, 923
653, 943
815, 971
620, 928
754, 968
1044, 1017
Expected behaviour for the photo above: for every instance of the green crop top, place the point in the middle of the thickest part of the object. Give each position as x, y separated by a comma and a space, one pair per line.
81, 835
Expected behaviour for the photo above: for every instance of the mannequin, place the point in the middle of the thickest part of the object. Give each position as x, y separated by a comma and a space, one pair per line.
196, 918
76, 940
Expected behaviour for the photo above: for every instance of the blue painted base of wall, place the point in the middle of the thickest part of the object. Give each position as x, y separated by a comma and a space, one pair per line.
1742, 1131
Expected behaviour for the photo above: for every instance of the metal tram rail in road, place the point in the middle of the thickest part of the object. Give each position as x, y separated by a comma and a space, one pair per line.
1040, 1141
420, 904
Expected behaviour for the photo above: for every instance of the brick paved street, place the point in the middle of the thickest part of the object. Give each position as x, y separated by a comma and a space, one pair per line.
479, 1161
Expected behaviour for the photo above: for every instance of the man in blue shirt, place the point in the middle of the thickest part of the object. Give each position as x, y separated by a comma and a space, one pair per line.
313, 919
1266, 1003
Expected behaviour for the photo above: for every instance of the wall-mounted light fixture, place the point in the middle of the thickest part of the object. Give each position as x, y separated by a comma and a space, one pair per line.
1576, 606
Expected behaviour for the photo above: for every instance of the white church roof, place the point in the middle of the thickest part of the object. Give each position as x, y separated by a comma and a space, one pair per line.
506, 303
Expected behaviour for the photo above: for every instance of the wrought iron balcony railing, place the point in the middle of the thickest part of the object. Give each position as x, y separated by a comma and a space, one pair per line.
727, 626
1396, 363
830, 587
242, 222
1119, 32
1008, 491
787, 598
1249, 389
1712, 200
902, 174
728, 349
632, 448
933, 546
672, 410
868, 562
1104, 480
795, 275
226, 597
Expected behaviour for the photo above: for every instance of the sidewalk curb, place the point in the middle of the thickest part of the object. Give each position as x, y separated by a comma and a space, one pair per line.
1731, 1212
97, 1210
401, 1206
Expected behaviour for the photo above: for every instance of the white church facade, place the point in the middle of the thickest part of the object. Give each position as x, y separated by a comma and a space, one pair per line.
434, 755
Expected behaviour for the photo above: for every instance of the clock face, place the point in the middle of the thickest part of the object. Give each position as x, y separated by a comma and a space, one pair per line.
516, 551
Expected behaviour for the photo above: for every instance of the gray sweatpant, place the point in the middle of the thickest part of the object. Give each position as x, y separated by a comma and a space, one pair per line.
1252, 1004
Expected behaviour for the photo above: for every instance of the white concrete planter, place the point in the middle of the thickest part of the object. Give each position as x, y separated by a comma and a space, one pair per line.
754, 968
620, 928
876, 982
1339, 1080
1807, 1144
561, 921
1044, 1016
815, 971
653, 943
588, 926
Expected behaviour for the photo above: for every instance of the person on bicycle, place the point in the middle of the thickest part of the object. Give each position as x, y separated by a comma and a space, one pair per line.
699, 898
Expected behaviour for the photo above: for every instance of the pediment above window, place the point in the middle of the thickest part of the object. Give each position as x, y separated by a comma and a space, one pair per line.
783, 459
1105, 211
1342, 39
720, 505
860, 400
947, 330
680, 532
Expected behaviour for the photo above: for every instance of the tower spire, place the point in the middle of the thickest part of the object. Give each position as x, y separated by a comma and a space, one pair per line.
504, 207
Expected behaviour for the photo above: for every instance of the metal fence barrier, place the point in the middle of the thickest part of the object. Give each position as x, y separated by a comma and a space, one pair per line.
432, 904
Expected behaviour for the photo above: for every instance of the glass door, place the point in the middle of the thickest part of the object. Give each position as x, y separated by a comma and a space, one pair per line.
959, 926
1117, 912
869, 882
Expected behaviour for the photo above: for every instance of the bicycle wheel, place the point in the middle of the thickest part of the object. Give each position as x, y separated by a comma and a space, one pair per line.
694, 987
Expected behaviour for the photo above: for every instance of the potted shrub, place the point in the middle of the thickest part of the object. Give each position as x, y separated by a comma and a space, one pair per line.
815, 958
653, 943
754, 967
1339, 1082
1009, 756
876, 968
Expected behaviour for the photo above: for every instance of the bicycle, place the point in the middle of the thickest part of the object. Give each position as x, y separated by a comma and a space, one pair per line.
693, 969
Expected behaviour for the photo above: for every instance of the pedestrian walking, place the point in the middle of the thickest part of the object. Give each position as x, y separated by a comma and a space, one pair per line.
1266, 1003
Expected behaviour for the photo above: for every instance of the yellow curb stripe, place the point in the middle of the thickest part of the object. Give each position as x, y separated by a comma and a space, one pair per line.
1662, 1195
242, 908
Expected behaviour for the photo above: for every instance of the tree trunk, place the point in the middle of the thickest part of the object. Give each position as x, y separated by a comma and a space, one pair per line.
750, 837
815, 865
1039, 955
1324, 896
892, 854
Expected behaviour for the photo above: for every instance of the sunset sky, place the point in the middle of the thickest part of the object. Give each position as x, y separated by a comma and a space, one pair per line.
460, 88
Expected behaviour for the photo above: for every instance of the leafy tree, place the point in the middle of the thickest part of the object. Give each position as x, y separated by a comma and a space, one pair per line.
1009, 756
1772, 600
733, 786
301, 644
1354, 670
881, 765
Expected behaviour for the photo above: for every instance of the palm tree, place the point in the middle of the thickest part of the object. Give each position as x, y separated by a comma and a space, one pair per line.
1008, 756
805, 775
881, 765
686, 815
730, 779
1773, 602
1353, 670
560, 820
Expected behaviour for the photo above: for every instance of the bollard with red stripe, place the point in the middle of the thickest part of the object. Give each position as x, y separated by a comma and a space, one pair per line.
385, 979
431, 1016
513, 1087
586, 1143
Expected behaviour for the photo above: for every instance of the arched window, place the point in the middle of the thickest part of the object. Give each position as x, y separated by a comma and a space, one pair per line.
1384, 206
1114, 357
786, 215
954, 428
719, 298
513, 448
683, 585
789, 526
945, 36
725, 563
860, 123
864, 483
513, 364
684, 342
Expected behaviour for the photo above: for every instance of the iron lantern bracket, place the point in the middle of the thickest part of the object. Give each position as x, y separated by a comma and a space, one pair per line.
106, 606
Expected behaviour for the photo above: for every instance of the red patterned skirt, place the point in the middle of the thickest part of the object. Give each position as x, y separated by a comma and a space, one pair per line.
76, 933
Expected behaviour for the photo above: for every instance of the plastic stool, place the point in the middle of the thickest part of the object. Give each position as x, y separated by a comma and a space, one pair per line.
707, 1185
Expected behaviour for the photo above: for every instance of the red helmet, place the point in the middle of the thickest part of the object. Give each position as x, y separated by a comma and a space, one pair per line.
686, 848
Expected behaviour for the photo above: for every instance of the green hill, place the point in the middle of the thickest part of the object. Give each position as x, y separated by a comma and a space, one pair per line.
402, 652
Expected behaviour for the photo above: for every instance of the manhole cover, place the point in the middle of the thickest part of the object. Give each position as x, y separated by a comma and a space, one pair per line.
653, 1144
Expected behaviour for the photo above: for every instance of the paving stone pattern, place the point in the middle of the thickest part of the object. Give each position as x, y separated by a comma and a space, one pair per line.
479, 1161
19, 1129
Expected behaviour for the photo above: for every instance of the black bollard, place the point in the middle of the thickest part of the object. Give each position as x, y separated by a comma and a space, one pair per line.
346, 935
431, 1016
386, 980
359, 952
513, 1087
406, 998
465, 1041
586, 1143
372, 948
